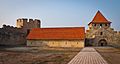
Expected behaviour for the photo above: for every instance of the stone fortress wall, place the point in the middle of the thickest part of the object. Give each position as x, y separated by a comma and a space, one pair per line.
10, 35
97, 34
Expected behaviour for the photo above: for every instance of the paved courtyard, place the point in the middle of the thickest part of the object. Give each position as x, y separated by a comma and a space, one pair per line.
88, 55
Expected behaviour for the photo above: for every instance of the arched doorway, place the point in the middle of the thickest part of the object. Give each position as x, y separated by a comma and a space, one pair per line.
102, 42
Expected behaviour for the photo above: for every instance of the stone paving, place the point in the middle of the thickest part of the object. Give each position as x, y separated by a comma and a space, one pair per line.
88, 55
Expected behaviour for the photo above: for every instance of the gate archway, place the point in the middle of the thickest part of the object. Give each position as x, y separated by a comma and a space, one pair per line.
102, 42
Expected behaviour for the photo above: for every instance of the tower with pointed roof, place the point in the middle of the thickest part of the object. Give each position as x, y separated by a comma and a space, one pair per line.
99, 21
100, 32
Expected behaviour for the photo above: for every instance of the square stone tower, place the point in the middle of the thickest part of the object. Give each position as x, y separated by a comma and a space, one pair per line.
26, 25
100, 32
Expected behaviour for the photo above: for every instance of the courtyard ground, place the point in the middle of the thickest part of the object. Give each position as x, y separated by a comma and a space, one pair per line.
110, 54
34, 55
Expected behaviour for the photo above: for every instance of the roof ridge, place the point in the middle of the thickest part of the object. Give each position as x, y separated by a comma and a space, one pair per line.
60, 28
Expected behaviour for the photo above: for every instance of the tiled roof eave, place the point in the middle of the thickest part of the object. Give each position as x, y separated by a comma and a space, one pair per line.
108, 22
57, 39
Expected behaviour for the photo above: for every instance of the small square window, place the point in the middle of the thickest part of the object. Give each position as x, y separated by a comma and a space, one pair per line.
105, 24
101, 33
77, 42
100, 24
65, 42
94, 24
90, 27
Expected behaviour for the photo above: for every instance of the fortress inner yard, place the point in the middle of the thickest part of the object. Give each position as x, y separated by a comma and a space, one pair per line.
29, 43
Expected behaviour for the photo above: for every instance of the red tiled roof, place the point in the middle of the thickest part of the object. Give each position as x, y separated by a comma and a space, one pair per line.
57, 33
99, 18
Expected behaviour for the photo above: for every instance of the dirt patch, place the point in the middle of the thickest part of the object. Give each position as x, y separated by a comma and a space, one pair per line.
38, 56
110, 54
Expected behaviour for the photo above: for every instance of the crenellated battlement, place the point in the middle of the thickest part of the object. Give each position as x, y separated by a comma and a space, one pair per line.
28, 23
8, 27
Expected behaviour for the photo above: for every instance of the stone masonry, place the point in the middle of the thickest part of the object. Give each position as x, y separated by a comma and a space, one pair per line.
100, 32
10, 35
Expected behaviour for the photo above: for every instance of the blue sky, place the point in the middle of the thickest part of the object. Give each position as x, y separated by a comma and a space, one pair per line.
59, 13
